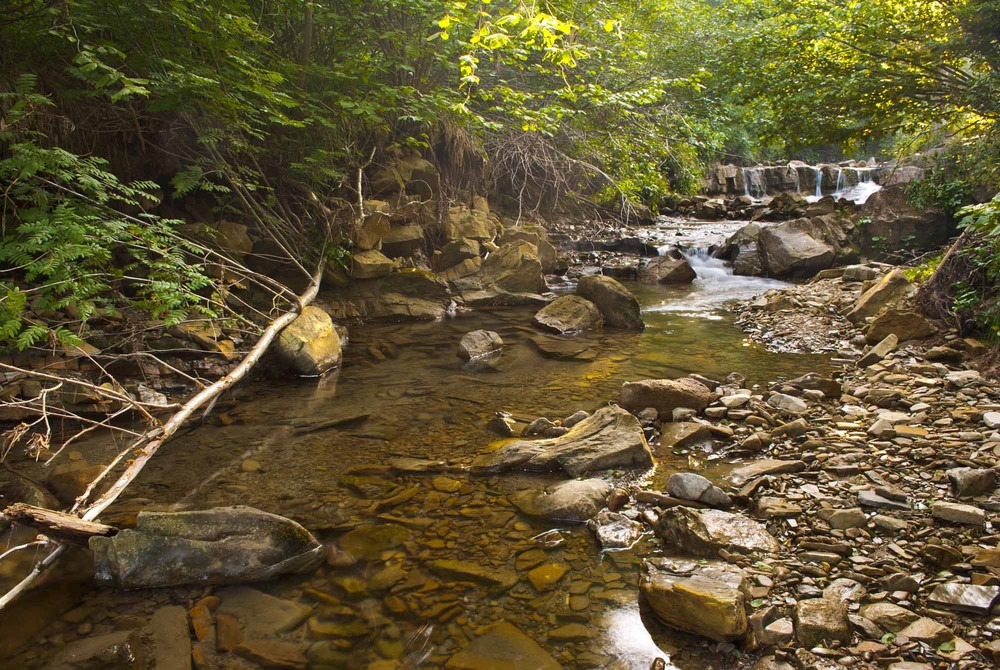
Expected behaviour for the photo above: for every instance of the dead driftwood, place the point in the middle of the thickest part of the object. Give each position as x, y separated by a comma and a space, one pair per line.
58, 526
143, 448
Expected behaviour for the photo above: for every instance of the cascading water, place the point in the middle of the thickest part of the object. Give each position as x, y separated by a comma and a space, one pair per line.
819, 182
861, 189
714, 288
754, 183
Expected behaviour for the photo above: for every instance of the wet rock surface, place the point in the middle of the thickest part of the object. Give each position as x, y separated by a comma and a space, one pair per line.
218, 546
610, 438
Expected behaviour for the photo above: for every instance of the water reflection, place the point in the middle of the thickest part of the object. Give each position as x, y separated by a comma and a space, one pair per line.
628, 640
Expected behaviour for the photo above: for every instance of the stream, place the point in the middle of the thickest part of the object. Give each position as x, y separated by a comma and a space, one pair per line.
317, 452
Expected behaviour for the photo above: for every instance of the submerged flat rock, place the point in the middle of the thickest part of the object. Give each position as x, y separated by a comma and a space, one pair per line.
224, 545
573, 500
501, 646
610, 438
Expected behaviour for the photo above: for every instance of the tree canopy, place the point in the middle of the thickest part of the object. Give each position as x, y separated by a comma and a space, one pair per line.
267, 109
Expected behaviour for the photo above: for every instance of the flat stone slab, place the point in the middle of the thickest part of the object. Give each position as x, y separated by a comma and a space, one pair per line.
706, 598
564, 349
501, 646
869, 498
965, 597
260, 614
494, 578
610, 438
742, 475
958, 513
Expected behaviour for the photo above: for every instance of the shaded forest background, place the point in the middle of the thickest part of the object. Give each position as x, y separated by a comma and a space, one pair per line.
127, 125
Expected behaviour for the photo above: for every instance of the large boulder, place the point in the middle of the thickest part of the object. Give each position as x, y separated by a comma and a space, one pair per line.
903, 323
743, 250
569, 314
706, 598
371, 264
706, 532
609, 438
373, 226
795, 248
515, 267
410, 294
894, 224
887, 292
665, 395
667, 270
616, 303
403, 241
475, 224
225, 545
309, 345
538, 236
455, 252
573, 500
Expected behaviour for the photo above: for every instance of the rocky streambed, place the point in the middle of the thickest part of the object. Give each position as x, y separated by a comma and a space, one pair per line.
803, 510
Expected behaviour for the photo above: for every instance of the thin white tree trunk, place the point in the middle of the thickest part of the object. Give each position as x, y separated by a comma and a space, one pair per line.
147, 446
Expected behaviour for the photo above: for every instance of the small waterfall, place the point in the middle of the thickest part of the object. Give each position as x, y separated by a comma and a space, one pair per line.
714, 289
819, 181
862, 188
754, 183
839, 188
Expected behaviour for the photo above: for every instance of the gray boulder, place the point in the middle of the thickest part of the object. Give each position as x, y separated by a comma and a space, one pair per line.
224, 545
614, 530
667, 270
616, 303
895, 224
479, 343
795, 248
705, 532
610, 438
692, 486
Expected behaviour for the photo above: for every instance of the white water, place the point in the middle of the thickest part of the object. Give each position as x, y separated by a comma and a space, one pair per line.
861, 191
858, 193
754, 183
714, 289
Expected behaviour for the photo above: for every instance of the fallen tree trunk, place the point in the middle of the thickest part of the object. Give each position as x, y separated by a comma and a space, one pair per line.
58, 526
145, 447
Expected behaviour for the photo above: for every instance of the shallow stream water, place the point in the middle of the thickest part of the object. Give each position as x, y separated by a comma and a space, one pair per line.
319, 452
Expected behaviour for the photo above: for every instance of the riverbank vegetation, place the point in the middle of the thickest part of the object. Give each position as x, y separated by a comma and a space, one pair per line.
121, 113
